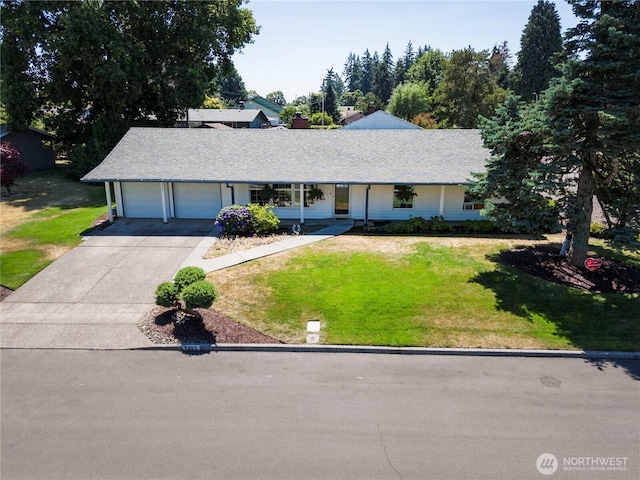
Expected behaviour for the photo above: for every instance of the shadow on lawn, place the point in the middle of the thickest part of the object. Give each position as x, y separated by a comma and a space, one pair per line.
589, 321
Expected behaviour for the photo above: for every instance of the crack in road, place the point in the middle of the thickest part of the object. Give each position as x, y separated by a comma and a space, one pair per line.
384, 448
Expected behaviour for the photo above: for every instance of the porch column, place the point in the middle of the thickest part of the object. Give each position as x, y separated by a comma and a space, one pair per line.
117, 189
164, 203
441, 209
107, 189
301, 203
366, 205
172, 207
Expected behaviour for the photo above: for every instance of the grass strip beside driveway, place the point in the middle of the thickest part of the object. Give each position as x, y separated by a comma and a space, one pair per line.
42, 219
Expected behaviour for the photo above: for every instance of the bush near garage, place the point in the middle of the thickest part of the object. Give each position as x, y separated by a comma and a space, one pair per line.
252, 219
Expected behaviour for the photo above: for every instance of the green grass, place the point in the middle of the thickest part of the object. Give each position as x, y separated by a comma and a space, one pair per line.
18, 267
43, 218
438, 296
56, 226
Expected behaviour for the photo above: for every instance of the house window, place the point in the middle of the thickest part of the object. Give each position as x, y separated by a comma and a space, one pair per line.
256, 194
403, 196
282, 195
471, 203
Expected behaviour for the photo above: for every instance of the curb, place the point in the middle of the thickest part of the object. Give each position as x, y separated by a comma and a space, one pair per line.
479, 352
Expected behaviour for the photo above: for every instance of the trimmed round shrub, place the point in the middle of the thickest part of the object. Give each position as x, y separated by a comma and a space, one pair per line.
200, 294
188, 275
263, 219
166, 294
234, 220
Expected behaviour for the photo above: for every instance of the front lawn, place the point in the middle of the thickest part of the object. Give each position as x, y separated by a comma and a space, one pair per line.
42, 220
421, 292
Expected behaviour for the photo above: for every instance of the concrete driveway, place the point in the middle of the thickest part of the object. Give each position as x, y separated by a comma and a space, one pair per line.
93, 296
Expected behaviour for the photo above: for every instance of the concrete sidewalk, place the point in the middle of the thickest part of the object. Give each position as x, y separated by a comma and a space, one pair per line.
236, 258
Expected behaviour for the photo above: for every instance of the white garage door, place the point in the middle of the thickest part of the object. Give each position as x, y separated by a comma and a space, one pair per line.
142, 200
196, 200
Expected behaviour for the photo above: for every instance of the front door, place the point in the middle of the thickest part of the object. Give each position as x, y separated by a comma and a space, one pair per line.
341, 199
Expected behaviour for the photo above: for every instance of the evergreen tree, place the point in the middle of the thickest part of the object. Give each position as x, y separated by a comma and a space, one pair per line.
593, 113
352, 73
368, 66
383, 76
582, 139
541, 40
403, 65
499, 65
333, 80
331, 85
228, 86
516, 171
409, 56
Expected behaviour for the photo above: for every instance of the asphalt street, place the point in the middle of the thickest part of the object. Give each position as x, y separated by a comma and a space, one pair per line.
81, 414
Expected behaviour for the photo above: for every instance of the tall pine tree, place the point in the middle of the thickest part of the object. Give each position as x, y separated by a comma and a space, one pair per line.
352, 73
582, 139
594, 110
540, 41
368, 64
383, 76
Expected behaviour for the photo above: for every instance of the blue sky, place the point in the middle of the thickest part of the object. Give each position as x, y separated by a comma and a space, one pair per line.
300, 40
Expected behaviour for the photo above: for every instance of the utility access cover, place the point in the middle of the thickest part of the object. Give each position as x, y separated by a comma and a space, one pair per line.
313, 326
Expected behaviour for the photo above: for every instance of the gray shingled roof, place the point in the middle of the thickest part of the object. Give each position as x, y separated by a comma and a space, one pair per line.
210, 115
294, 156
381, 120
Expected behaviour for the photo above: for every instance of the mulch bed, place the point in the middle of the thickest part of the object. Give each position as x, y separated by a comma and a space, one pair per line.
545, 262
207, 326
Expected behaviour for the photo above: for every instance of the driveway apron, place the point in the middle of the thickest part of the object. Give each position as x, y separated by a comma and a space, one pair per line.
93, 296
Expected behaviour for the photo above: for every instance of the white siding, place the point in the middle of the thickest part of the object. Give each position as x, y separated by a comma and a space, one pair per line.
426, 203
196, 200
142, 199
453, 202
243, 197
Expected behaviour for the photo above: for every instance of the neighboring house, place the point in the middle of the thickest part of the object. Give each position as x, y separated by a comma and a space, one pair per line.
349, 114
270, 109
194, 172
34, 144
234, 118
380, 120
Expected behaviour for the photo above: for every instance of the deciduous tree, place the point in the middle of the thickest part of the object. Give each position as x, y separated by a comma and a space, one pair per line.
429, 68
409, 100
467, 90
95, 68
276, 97
11, 165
